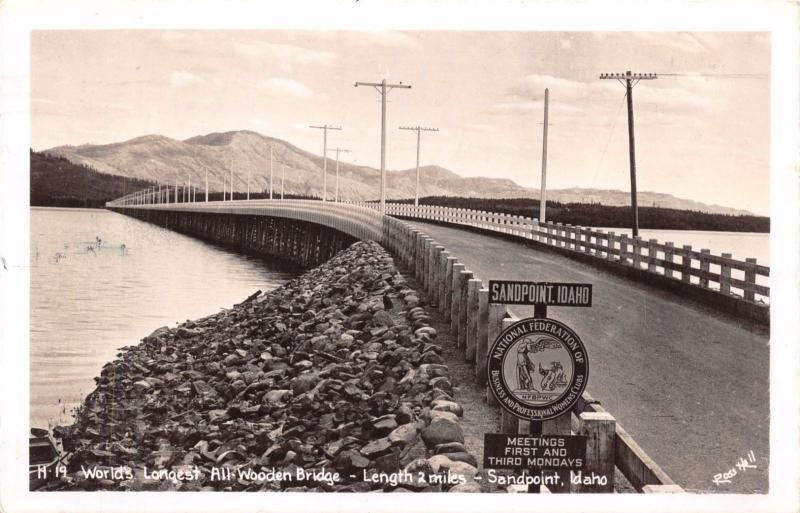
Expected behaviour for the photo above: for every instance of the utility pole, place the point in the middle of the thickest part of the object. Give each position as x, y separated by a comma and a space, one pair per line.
628, 77
248, 184
418, 129
206, 185
231, 181
325, 129
384, 89
338, 150
270, 172
283, 178
543, 192
176, 189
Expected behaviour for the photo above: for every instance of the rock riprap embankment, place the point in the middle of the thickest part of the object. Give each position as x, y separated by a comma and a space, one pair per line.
332, 382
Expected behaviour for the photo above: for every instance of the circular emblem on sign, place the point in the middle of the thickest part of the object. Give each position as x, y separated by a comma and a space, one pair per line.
537, 369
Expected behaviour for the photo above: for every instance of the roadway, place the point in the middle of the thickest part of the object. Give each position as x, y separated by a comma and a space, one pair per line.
690, 384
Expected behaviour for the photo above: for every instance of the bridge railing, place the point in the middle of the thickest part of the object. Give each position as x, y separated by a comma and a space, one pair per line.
360, 222
746, 280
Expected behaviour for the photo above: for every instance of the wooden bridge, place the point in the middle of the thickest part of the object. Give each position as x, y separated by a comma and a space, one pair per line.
679, 339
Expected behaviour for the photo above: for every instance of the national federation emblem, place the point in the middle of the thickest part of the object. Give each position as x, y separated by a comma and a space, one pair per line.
537, 369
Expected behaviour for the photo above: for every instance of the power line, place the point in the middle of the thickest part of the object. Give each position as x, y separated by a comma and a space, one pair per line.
718, 75
608, 141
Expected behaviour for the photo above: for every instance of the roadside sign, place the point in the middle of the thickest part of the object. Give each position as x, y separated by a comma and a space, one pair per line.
522, 452
540, 293
537, 369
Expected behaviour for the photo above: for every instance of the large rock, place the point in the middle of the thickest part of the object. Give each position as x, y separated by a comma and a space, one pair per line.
442, 431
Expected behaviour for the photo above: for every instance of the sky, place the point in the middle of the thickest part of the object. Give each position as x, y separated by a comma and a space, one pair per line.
702, 128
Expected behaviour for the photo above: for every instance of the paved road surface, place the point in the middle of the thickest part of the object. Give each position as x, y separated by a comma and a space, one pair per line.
689, 384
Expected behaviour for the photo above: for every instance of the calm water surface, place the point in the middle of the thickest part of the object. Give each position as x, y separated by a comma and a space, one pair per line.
740, 245
87, 303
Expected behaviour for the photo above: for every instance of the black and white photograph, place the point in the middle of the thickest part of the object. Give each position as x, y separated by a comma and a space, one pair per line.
542, 257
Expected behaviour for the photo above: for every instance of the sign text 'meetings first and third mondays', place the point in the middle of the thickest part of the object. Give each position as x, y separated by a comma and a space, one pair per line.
540, 293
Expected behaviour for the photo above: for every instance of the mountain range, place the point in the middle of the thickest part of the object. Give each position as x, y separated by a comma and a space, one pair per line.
162, 159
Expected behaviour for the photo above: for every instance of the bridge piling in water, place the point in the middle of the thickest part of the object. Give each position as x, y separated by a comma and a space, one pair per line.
297, 242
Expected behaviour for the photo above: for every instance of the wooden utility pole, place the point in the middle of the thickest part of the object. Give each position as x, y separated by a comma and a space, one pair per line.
325, 129
206, 185
628, 78
338, 150
543, 192
270, 172
283, 178
418, 129
384, 89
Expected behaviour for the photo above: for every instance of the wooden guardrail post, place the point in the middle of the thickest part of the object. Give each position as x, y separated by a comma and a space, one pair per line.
481, 339
587, 241
600, 431
436, 274
412, 251
623, 248
441, 275
447, 304
461, 324
652, 254
473, 286
418, 258
725, 275
686, 264
494, 326
704, 267
427, 242
610, 246
750, 277
636, 248
669, 255
456, 296
559, 241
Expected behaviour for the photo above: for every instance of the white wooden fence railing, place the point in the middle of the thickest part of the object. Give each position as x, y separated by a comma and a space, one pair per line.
746, 280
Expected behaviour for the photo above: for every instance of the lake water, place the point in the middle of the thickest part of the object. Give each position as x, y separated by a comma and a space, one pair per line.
87, 303
740, 245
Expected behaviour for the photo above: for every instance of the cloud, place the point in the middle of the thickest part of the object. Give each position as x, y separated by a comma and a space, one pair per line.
184, 78
290, 87
287, 53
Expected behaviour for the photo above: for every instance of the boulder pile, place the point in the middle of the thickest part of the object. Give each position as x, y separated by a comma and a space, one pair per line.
332, 382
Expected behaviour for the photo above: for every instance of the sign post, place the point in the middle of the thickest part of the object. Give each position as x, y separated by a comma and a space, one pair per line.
537, 370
